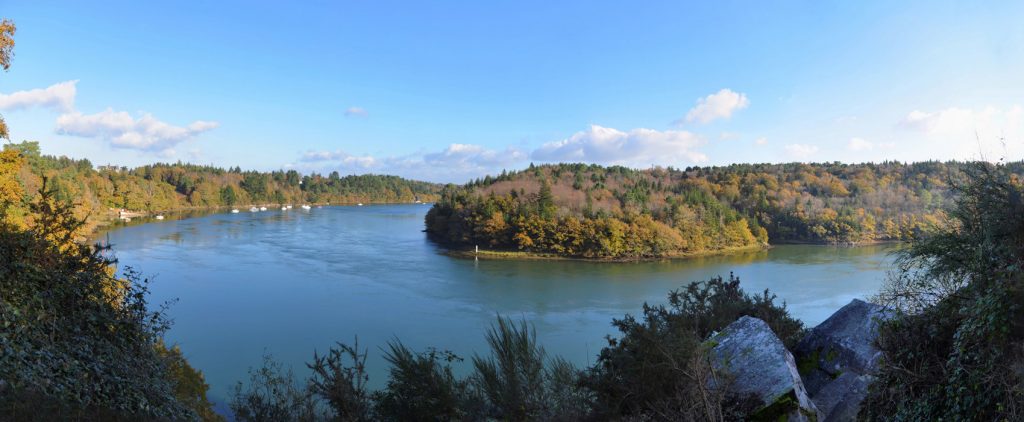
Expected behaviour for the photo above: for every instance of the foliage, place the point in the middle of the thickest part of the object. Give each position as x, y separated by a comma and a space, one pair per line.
517, 384
421, 386
591, 211
190, 386
658, 367
271, 395
76, 340
7, 30
342, 385
956, 349
164, 187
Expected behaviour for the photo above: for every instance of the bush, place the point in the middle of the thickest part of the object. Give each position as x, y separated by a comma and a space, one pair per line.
956, 349
516, 383
659, 367
421, 386
271, 395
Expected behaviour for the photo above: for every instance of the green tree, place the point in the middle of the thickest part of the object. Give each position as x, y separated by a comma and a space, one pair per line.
227, 196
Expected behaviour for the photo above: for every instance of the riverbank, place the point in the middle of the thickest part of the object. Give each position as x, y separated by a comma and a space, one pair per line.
111, 219
537, 256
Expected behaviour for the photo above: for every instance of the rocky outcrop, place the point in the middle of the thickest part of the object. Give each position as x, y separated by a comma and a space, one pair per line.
838, 357
754, 362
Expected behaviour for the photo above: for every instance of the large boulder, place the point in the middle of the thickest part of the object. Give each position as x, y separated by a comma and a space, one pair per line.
755, 363
840, 399
838, 358
844, 341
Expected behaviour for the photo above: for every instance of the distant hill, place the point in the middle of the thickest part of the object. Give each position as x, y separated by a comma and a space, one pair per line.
590, 211
166, 187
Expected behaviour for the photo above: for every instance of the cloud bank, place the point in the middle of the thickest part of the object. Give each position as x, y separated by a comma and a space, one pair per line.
145, 133
638, 147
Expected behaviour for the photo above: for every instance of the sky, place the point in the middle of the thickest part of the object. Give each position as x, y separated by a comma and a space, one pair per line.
449, 91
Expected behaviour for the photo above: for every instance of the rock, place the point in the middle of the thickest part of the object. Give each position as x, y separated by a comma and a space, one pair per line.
840, 399
756, 362
837, 358
844, 341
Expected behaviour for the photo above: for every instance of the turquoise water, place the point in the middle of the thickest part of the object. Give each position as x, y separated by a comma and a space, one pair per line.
291, 282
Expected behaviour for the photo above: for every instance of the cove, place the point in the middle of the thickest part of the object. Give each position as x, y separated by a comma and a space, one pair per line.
291, 282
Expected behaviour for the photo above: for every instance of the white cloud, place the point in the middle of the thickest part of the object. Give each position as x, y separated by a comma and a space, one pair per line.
59, 97
355, 112
468, 156
801, 151
638, 147
955, 120
316, 156
859, 144
720, 105
761, 141
964, 133
340, 157
145, 133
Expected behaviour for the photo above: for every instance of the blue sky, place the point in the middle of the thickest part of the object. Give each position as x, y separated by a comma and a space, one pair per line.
448, 91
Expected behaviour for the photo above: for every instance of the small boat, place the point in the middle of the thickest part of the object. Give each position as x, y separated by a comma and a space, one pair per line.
159, 217
254, 209
284, 208
234, 211
360, 204
306, 207
263, 208
289, 207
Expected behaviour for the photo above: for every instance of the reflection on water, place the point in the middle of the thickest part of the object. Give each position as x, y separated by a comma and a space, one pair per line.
289, 282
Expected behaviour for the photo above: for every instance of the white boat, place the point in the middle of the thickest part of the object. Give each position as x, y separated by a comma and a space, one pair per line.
289, 207
234, 211
284, 208
263, 208
360, 204
306, 207
159, 217
254, 209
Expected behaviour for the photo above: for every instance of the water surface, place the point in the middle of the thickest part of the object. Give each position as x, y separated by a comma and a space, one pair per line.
291, 282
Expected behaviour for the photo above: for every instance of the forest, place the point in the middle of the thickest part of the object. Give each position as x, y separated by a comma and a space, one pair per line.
98, 192
590, 211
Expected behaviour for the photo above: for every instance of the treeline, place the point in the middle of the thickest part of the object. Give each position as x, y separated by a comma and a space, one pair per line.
164, 187
592, 211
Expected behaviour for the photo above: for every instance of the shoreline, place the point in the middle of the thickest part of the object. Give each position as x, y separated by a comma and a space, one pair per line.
111, 219
538, 256
491, 254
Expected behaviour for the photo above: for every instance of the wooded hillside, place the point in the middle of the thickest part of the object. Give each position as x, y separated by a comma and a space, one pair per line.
592, 211
164, 187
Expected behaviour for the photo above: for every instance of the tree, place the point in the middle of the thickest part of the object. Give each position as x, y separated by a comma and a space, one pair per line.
545, 200
227, 196
85, 341
7, 30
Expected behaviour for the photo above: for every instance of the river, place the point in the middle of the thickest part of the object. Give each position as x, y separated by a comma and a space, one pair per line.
289, 282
